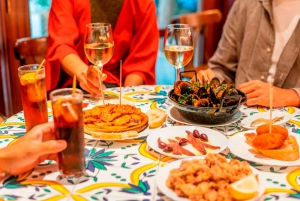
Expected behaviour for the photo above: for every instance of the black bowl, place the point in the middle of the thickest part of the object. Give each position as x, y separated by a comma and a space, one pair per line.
209, 115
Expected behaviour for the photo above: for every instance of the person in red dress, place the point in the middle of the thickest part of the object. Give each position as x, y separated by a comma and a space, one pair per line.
135, 35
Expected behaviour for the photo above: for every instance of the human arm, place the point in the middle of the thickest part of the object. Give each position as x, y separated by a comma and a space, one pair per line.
258, 93
224, 62
67, 20
133, 80
17, 158
87, 76
141, 58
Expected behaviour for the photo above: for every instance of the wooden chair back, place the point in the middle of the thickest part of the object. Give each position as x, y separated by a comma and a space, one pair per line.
30, 50
200, 21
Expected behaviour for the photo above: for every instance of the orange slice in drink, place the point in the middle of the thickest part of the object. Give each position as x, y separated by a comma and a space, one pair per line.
58, 108
29, 78
71, 115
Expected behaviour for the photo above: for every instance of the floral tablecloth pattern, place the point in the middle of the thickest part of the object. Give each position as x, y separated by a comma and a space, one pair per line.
126, 170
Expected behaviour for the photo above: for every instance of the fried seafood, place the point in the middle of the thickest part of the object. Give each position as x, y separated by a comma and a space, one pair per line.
207, 179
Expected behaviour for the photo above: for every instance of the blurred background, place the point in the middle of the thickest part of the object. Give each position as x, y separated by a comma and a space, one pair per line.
29, 18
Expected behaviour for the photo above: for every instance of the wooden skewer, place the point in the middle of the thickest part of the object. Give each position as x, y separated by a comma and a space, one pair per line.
271, 106
120, 82
100, 81
74, 86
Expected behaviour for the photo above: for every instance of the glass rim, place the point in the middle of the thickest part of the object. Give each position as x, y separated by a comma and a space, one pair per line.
180, 26
78, 92
98, 24
20, 68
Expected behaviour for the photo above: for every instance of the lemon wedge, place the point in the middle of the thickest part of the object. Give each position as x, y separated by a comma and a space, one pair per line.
30, 78
245, 188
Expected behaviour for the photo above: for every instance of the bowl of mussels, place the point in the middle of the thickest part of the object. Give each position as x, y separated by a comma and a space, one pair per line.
204, 102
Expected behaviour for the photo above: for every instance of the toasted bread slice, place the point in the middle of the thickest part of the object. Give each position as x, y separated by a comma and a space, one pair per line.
156, 117
289, 151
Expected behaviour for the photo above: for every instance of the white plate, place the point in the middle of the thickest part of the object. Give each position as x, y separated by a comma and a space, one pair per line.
144, 133
246, 122
174, 114
215, 138
164, 172
238, 146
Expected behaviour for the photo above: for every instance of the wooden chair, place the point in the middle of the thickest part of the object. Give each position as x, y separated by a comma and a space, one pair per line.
200, 21
30, 50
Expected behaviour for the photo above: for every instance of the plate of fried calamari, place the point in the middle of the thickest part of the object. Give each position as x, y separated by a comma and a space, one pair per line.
277, 147
120, 122
255, 120
212, 178
187, 141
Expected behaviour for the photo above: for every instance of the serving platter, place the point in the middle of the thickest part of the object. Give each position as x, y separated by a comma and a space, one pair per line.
238, 146
164, 172
215, 138
174, 115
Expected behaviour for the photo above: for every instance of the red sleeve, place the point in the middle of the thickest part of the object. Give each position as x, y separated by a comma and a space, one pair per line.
63, 35
144, 44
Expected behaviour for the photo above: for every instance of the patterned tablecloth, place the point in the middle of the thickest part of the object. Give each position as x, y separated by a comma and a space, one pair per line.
125, 170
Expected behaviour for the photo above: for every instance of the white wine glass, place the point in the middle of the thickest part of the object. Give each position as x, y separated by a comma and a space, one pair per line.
99, 46
178, 46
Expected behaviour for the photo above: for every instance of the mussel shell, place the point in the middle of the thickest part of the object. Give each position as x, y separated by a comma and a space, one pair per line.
183, 87
219, 91
202, 93
231, 92
212, 96
214, 83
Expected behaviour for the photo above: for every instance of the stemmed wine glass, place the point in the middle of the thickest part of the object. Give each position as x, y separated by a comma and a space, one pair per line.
178, 46
99, 46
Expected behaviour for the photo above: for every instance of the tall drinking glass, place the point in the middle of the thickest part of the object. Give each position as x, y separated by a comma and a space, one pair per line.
178, 46
99, 45
68, 120
33, 93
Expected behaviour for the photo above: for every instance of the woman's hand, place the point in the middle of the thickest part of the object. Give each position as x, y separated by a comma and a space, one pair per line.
258, 93
31, 149
88, 77
90, 80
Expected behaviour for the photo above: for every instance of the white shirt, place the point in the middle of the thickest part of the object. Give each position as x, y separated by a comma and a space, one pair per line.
286, 14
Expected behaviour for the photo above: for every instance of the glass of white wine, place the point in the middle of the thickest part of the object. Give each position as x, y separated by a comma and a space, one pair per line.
99, 46
178, 46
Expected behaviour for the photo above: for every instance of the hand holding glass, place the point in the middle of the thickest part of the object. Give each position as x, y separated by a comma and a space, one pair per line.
99, 45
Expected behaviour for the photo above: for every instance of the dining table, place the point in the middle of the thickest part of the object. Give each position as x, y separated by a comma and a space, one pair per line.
127, 169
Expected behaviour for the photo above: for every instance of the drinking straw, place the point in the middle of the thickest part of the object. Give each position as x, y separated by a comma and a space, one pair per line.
120, 82
40, 66
74, 86
36, 73
271, 106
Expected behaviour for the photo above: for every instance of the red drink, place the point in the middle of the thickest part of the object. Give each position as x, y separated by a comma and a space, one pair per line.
68, 120
33, 93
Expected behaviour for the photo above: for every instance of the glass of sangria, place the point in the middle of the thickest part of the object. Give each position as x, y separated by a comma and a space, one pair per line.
178, 46
99, 46
68, 120
33, 93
